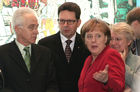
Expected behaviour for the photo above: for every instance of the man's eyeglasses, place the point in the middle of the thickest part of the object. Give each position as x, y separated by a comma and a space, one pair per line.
69, 22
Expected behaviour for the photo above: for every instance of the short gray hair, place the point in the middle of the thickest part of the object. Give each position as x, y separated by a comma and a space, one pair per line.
18, 18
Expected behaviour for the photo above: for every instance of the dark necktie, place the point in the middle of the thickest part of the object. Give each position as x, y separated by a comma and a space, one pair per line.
27, 57
133, 49
68, 50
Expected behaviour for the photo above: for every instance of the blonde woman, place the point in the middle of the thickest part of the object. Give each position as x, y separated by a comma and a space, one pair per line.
122, 36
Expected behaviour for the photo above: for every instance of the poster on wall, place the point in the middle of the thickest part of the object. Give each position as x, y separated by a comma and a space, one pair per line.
111, 11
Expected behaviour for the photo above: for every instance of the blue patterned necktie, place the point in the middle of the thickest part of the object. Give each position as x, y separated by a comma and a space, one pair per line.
27, 57
68, 50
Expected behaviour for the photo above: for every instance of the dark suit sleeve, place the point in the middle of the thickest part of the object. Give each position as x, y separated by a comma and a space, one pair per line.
42, 42
1, 76
51, 72
6, 90
1, 80
39, 42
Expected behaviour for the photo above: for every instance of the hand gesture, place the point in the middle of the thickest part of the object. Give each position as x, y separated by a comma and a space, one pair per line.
102, 76
124, 54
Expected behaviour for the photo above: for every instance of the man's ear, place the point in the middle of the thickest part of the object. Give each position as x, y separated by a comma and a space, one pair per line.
135, 23
17, 29
79, 22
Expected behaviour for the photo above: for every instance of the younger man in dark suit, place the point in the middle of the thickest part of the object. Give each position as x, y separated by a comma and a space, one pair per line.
133, 19
30, 69
69, 57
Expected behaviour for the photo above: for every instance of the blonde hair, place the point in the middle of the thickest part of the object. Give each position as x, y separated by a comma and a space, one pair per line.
123, 28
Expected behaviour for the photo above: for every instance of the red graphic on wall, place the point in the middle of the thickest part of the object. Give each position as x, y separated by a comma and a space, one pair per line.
26, 3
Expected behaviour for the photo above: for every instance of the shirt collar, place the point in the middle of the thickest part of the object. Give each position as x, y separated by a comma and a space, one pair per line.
21, 47
63, 38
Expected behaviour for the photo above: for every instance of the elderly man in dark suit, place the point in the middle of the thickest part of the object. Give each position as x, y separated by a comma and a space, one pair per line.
27, 67
68, 48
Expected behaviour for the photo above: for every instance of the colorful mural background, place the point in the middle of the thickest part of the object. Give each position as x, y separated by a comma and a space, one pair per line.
111, 11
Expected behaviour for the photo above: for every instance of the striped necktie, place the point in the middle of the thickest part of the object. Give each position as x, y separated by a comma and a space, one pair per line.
68, 50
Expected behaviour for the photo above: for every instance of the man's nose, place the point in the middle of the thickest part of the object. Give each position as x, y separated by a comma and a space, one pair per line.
65, 23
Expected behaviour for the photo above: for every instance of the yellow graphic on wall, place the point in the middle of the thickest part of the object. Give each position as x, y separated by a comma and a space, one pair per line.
48, 24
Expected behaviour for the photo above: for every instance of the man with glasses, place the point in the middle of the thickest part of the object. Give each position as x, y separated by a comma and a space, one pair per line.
68, 48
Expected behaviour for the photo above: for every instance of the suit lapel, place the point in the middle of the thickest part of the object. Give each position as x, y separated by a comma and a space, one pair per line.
59, 47
77, 46
16, 56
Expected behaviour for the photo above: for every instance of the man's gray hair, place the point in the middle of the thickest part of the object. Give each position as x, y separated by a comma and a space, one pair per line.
18, 16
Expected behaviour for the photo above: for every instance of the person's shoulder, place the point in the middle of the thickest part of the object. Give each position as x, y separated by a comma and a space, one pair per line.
111, 53
6, 46
136, 58
78, 36
110, 50
79, 39
48, 38
113, 56
40, 47
42, 50
6, 49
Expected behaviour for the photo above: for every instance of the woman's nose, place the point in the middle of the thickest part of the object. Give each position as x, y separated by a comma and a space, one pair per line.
93, 39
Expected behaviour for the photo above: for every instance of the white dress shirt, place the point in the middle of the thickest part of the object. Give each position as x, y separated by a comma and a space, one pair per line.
64, 39
21, 47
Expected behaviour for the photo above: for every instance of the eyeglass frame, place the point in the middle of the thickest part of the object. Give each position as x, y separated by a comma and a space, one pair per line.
69, 22
116, 39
